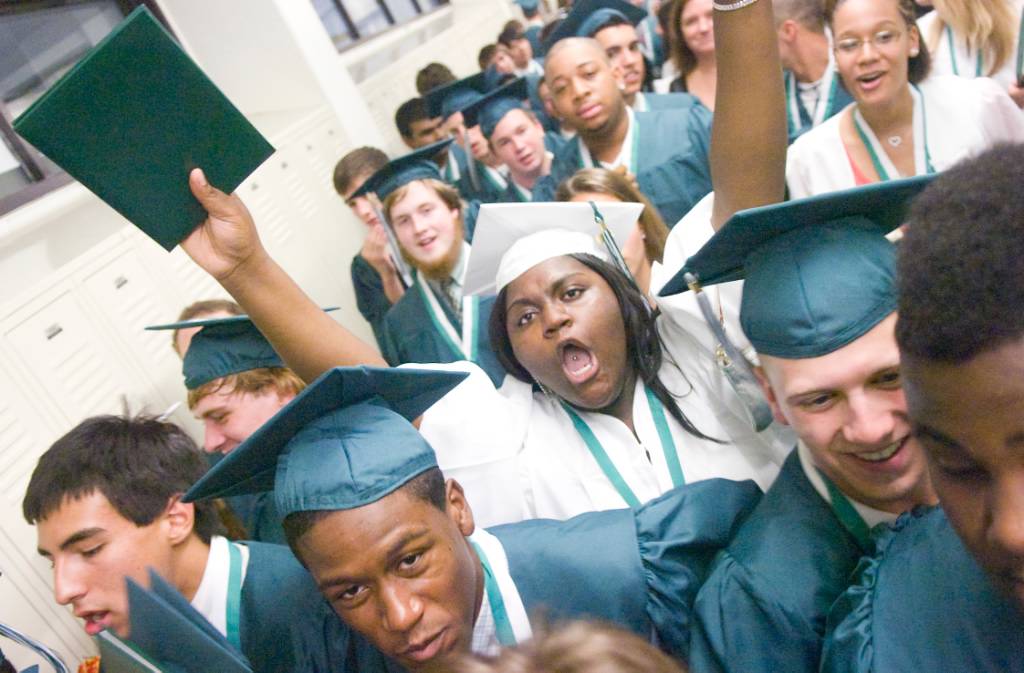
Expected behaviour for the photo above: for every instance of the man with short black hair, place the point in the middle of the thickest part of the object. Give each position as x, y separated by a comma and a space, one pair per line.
514, 38
415, 124
945, 590
106, 501
375, 281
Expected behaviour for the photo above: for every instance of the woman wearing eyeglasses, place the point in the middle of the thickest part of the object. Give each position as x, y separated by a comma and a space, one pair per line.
903, 121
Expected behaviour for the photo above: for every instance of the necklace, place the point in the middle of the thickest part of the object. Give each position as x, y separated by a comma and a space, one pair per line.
895, 141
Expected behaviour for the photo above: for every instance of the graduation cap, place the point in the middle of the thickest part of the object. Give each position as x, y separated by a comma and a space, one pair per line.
343, 442
416, 165
529, 7
446, 100
491, 108
587, 17
223, 346
174, 636
511, 238
819, 271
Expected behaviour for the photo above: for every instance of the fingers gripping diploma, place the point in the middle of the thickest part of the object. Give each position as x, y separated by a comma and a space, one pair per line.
227, 239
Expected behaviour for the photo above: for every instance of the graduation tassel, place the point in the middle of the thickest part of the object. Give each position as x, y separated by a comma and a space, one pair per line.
474, 176
393, 250
613, 251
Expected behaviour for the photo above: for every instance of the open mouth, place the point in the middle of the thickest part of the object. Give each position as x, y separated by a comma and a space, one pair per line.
95, 621
883, 454
425, 650
870, 80
578, 363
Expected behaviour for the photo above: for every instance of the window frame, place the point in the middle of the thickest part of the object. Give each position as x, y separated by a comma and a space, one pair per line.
356, 39
42, 181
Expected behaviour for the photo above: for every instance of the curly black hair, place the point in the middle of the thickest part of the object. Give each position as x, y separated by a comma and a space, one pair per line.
961, 264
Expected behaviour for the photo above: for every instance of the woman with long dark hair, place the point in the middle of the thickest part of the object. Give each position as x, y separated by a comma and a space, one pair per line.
609, 403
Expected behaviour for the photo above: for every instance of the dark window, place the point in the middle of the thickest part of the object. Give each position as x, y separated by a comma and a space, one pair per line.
350, 21
42, 39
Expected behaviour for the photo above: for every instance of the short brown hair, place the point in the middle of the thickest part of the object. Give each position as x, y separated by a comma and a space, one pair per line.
201, 308
283, 380
574, 647
432, 76
918, 66
359, 163
604, 181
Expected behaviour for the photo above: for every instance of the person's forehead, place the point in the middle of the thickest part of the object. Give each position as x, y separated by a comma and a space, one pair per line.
356, 183
416, 194
223, 398
91, 510
854, 14
546, 273
571, 56
512, 120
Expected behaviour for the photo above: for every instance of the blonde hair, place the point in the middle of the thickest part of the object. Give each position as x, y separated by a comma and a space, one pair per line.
987, 26
604, 181
282, 380
449, 195
574, 647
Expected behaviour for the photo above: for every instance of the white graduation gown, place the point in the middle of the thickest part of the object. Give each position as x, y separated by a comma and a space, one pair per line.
963, 62
518, 455
963, 117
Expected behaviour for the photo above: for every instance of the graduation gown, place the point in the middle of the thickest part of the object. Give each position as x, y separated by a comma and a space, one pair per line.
922, 603
673, 175
519, 454
951, 56
652, 560
370, 298
834, 97
669, 101
765, 604
415, 331
281, 608
962, 118
259, 516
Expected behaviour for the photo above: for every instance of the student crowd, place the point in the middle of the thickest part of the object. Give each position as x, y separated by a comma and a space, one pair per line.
700, 321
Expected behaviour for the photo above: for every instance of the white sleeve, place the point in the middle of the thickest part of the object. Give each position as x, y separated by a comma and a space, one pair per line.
1001, 120
477, 432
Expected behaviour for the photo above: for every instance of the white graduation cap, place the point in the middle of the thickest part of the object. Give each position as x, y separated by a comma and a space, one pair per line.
511, 238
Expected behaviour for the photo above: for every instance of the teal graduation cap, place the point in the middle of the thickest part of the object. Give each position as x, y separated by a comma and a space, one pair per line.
444, 101
223, 346
173, 635
344, 442
587, 17
416, 165
491, 108
819, 272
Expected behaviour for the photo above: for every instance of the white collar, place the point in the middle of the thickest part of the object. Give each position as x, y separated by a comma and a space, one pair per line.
872, 517
625, 157
211, 599
640, 102
485, 631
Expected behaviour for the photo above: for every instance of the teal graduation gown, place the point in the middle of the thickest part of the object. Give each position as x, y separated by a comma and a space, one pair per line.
370, 298
281, 612
765, 604
670, 158
922, 603
638, 569
411, 335
670, 101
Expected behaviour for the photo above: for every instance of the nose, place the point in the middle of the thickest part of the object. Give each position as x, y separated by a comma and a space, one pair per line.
868, 422
364, 211
1006, 507
555, 318
400, 609
706, 25
213, 438
67, 585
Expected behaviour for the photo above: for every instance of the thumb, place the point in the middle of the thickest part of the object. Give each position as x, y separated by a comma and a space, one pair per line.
212, 199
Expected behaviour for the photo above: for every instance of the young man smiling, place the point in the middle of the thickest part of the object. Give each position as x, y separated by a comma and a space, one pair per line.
106, 501
394, 548
945, 590
673, 175
818, 306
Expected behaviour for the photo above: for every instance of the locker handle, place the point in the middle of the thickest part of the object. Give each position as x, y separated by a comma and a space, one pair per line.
120, 282
52, 331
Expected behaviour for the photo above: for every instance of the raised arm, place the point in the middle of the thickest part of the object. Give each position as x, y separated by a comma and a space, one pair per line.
748, 140
228, 247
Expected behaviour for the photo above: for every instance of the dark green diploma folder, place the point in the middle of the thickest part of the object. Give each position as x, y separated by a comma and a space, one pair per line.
133, 117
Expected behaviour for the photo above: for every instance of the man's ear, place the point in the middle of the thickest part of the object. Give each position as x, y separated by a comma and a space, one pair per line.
769, 393
180, 519
457, 507
788, 30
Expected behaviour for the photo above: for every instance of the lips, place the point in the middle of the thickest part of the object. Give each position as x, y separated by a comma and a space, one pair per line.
870, 81
95, 620
589, 111
425, 649
891, 457
578, 362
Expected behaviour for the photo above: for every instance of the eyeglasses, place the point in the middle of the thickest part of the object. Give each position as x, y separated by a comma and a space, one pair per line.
850, 46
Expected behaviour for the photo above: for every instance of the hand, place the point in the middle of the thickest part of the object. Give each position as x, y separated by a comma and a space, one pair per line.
227, 239
375, 250
1017, 94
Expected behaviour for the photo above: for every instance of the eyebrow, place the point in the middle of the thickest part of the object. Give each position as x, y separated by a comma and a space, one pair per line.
557, 285
393, 552
791, 399
73, 539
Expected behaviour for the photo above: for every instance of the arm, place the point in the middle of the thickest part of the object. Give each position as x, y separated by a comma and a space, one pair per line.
748, 141
227, 246
375, 252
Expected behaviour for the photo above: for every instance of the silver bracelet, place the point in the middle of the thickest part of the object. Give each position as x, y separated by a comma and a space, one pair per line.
732, 6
